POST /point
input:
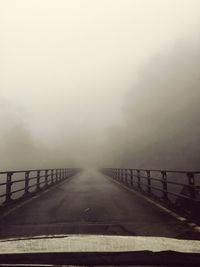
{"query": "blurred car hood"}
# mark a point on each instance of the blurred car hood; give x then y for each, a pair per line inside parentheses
(96, 243)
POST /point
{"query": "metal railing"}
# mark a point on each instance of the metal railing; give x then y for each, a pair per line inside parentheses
(180, 190)
(23, 183)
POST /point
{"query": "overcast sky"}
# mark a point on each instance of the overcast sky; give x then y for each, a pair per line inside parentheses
(66, 66)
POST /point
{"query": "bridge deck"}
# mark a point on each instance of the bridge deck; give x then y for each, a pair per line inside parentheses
(91, 203)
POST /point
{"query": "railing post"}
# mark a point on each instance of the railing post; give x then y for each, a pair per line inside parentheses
(46, 177)
(138, 177)
(38, 180)
(52, 172)
(191, 182)
(26, 183)
(8, 187)
(126, 177)
(164, 182)
(131, 175)
(60, 172)
(149, 180)
(122, 175)
(56, 175)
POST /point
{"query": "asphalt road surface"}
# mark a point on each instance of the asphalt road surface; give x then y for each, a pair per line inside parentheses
(91, 203)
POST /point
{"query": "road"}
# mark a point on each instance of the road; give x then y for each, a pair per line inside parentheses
(91, 203)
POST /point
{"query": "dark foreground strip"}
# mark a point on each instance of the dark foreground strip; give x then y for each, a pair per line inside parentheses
(148, 258)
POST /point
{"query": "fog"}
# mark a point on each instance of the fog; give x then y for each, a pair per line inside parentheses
(99, 83)
(161, 114)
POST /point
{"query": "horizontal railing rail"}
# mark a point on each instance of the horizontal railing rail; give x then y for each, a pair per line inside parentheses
(178, 189)
(27, 182)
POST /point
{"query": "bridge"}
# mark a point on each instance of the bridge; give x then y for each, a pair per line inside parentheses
(108, 201)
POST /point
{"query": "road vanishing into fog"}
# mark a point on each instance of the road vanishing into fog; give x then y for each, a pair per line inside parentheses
(90, 203)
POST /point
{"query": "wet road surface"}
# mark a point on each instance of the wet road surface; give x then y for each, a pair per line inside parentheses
(90, 203)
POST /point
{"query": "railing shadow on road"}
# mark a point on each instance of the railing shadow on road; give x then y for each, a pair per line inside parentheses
(178, 190)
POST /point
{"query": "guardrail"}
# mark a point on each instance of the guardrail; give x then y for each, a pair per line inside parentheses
(178, 189)
(26, 182)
